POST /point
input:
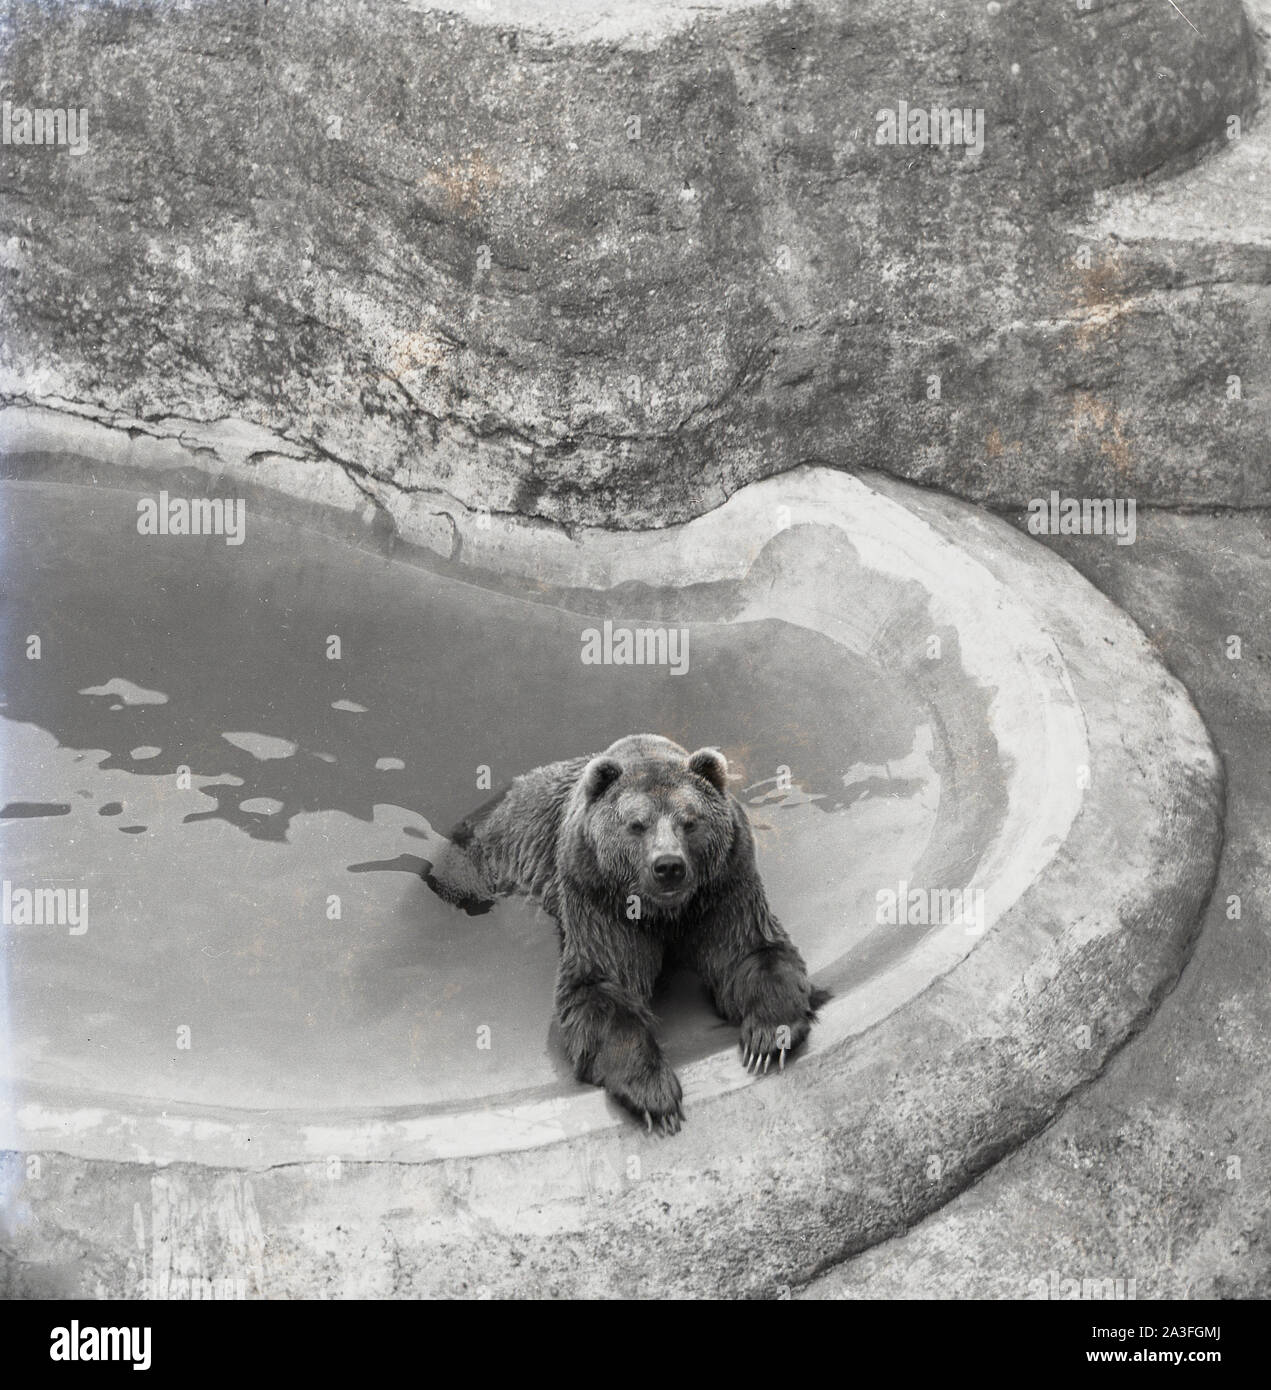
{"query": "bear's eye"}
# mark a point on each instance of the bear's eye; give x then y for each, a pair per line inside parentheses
(689, 826)
(637, 827)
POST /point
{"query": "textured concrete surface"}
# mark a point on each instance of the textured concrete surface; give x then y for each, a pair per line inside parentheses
(772, 1178)
(606, 264)
(1161, 1171)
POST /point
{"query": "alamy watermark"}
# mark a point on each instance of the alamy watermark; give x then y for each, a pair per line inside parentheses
(904, 906)
(1083, 516)
(76, 1343)
(638, 646)
(1054, 1285)
(193, 516)
(916, 125)
(44, 907)
(44, 125)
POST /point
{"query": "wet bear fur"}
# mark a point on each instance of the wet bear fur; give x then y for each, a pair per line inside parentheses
(645, 859)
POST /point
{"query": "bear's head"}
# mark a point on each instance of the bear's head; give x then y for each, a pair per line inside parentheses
(657, 820)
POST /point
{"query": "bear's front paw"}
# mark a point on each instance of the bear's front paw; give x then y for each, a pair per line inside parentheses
(761, 1041)
(652, 1093)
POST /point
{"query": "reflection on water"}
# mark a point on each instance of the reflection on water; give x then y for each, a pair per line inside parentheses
(182, 653)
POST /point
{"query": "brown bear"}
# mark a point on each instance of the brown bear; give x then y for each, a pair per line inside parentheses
(644, 858)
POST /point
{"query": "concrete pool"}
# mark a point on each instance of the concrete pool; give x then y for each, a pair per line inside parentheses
(915, 701)
(265, 787)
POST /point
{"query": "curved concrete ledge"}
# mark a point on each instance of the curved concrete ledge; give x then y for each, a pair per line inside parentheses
(1098, 875)
(605, 264)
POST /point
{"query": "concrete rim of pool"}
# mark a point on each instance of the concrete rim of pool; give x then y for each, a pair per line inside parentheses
(1095, 881)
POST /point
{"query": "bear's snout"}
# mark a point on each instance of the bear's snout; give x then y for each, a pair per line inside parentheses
(667, 880)
(669, 870)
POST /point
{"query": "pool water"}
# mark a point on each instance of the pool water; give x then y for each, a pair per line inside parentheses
(238, 758)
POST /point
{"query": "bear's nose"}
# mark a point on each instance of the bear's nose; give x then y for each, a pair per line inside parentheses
(668, 869)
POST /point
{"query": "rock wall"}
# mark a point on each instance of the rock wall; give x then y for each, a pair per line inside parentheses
(606, 264)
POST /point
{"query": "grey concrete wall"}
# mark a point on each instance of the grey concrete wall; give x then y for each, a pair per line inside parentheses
(607, 264)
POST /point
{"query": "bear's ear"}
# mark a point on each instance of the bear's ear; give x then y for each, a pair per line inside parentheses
(711, 764)
(599, 775)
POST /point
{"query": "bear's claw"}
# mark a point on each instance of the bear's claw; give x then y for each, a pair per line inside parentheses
(761, 1043)
(651, 1094)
